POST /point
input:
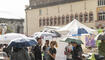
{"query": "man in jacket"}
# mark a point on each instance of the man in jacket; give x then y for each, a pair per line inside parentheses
(37, 50)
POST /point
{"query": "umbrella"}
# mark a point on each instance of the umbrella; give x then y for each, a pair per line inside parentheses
(70, 40)
(100, 36)
(41, 34)
(55, 33)
(6, 38)
(44, 35)
(32, 41)
(22, 42)
(79, 42)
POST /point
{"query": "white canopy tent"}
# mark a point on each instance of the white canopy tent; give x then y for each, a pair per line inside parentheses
(73, 27)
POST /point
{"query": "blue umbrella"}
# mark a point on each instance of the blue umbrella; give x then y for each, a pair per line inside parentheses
(22, 42)
(32, 41)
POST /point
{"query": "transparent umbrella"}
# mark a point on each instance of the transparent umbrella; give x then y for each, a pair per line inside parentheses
(22, 42)
(72, 39)
(6, 38)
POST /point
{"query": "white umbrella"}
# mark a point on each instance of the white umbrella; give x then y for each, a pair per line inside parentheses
(6, 38)
(43, 35)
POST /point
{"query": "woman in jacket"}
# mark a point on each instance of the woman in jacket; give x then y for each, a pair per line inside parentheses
(77, 51)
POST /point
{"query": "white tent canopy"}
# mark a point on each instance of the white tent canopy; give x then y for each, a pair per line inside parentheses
(74, 26)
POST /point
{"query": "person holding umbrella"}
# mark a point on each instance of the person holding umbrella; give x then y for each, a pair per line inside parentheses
(76, 47)
(19, 54)
(37, 49)
(77, 51)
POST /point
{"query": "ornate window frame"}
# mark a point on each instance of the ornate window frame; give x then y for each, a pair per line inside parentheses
(91, 16)
(55, 20)
(67, 19)
(81, 17)
(63, 19)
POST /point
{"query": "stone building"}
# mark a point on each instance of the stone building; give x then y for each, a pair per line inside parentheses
(13, 25)
(42, 13)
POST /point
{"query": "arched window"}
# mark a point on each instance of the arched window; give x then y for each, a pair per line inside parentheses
(51, 21)
(55, 20)
(76, 16)
(71, 17)
(47, 21)
(90, 16)
(40, 22)
(81, 17)
(67, 19)
(44, 22)
(63, 19)
(59, 20)
(86, 17)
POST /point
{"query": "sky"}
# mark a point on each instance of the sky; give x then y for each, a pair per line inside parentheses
(13, 8)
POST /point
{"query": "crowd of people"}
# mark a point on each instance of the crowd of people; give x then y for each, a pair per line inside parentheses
(41, 51)
(47, 51)
(37, 52)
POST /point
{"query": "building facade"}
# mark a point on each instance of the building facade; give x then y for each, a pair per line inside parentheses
(13, 25)
(42, 13)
